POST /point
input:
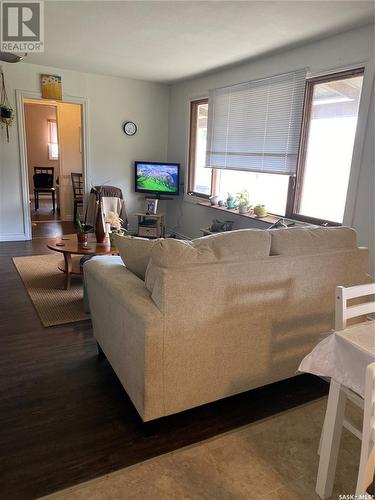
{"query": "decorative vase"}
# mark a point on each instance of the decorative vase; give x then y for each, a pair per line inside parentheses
(111, 239)
(100, 225)
(82, 238)
(243, 209)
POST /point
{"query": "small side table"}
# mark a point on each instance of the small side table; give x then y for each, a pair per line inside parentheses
(151, 225)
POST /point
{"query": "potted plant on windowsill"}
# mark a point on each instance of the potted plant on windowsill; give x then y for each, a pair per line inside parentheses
(260, 211)
(231, 204)
(242, 202)
(82, 232)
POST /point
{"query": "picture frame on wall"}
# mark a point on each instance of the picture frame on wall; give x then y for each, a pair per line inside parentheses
(151, 206)
(51, 87)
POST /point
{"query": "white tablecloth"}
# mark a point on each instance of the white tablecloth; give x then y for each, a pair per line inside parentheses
(344, 356)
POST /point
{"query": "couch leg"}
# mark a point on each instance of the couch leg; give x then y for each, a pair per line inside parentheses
(101, 354)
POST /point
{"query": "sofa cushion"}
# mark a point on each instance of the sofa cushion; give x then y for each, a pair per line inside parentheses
(304, 240)
(135, 253)
(241, 245)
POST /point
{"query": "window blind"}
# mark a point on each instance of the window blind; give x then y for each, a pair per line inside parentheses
(256, 126)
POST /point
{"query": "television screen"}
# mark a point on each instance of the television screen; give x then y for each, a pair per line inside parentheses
(157, 178)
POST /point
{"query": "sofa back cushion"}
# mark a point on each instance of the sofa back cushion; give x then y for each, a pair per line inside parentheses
(304, 240)
(242, 245)
(135, 253)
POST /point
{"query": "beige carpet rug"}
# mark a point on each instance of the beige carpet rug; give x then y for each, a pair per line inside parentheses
(45, 285)
(273, 459)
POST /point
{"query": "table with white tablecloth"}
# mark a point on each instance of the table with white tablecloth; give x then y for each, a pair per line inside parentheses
(344, 356)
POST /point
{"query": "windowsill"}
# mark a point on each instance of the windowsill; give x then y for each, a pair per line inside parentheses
(193, 198)
(269, 219)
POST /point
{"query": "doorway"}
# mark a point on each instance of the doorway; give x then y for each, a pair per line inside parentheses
(53, 144)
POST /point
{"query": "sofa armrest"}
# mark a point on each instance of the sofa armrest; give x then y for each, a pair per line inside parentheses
(109, 274)
(130, 330)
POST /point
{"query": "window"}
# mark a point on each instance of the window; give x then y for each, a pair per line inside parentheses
(331, 114)
(53, 147)
(317, 191)
(200, 178)
(269, 189)
(266, 189)
(255, 126)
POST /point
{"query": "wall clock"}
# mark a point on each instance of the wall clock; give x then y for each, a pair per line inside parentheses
(130, 128)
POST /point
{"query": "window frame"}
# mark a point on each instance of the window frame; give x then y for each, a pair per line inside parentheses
(296, 182)
(194, 104)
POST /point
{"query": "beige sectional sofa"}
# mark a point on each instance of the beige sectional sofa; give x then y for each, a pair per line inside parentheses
(221, 314)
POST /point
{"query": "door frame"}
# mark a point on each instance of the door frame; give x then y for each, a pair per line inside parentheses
(21, 95)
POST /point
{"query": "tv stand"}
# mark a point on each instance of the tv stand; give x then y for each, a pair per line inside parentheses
(157, 197)
(151, 225)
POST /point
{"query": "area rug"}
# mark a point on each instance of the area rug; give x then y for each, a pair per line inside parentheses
(45, 285)
(272, 459)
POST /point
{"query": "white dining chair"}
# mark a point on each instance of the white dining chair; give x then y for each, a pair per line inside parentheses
(338, 394)
(367, 460)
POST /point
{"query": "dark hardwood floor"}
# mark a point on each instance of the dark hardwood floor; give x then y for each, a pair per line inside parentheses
(64, 416)
(51, 229)
(44, 212)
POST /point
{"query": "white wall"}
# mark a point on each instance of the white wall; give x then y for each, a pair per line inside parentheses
(364, 210)
(340, 51)
(111, 153)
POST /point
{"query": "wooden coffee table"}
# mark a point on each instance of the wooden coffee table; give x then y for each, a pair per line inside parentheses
(68, 246)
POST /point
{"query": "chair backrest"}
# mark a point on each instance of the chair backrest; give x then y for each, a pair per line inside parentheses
(370, 397)
(44, 170)
(43, 181)
(344, 312)
(77, 184)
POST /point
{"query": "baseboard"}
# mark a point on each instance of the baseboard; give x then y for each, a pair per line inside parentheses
(13, 237)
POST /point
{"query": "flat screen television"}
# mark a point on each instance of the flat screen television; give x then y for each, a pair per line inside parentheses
(157, 178)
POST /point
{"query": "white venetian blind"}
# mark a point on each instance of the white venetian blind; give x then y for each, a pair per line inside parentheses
(256, 126)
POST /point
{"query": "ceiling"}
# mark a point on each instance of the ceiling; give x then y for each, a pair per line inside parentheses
(170, 41)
